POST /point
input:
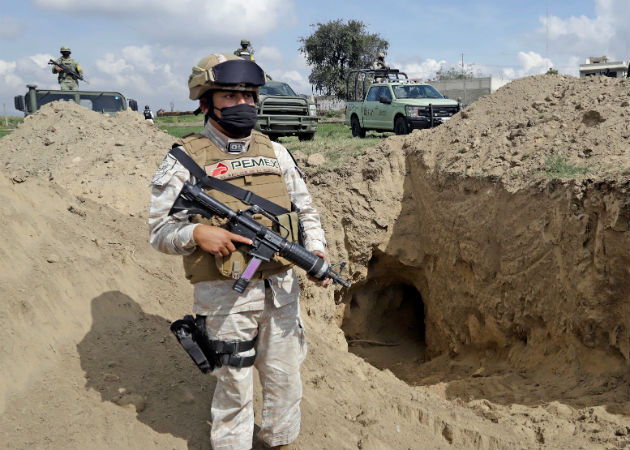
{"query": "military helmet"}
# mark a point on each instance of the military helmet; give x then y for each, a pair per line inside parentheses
(64, 49)
(245, 43)
(225, 72)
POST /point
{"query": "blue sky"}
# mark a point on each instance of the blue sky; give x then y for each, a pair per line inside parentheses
(145, 49)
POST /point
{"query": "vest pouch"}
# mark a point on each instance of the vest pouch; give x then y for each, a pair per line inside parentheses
(291, 223)
(232, 266)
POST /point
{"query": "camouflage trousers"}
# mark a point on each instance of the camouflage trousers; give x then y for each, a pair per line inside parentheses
(281, 348)
(68, 84)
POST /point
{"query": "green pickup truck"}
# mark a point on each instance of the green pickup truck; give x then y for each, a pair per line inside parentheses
(100, 101)
(385, 100)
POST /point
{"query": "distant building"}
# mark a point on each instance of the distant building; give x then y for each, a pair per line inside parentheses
(601, 66)
(467, 90)
(329, 103)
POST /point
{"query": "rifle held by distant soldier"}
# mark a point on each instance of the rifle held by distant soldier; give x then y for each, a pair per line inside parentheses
(63, 68)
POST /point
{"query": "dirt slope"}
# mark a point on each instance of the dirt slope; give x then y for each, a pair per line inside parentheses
(503, 297)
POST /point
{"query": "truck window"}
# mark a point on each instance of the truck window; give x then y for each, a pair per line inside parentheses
(385, 93)
(373, 94)
(410, 91)
(277, 88)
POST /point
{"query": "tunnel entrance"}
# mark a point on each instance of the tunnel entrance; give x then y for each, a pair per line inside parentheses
(384, 322)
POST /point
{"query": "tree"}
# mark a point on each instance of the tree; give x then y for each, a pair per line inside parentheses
(336, 47)
(454, 73)
(551, 71)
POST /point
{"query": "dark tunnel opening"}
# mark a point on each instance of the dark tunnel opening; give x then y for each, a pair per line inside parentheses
(384, 323)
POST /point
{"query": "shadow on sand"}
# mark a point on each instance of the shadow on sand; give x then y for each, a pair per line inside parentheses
(132, 359)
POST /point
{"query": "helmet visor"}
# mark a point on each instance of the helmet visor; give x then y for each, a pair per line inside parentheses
(238, 71)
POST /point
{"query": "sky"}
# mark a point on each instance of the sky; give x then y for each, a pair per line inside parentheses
(145, 49)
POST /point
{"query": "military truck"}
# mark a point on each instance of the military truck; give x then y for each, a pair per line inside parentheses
(281, 112)
(386, 100)
(99, 101)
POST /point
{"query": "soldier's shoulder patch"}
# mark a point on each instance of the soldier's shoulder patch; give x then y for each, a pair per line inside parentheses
(164, 172)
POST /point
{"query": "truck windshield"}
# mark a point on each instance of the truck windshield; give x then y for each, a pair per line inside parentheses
(97, 101)
(411, 91)
(277, 88)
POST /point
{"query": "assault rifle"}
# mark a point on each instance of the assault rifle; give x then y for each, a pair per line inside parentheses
(265, 242)
(63, 68)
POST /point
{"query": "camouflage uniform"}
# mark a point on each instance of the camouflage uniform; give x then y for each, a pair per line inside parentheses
(268, 309)
(66, 82)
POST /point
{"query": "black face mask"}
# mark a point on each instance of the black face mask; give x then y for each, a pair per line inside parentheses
(238, 120)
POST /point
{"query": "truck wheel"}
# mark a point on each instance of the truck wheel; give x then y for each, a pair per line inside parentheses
(400, 126)
(306, 136)
(357, 131)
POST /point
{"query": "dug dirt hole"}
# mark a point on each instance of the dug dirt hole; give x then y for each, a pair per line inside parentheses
(384, 324)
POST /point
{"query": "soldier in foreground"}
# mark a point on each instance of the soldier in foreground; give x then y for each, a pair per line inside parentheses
(67, 82)
(260, 327)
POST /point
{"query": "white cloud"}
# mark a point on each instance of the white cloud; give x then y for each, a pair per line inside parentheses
(268, 56)
(606, 33)
(531, 64)
(211, 21)
(424, 70)
(7, 67)
(8, 77)
(140, 57)
(41, 59)
(111, 66)
(11, 28)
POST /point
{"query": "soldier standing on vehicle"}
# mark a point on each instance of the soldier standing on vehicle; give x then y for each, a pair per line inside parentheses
(266, 316)
(245, 52)
(67, 82)
(380, 62)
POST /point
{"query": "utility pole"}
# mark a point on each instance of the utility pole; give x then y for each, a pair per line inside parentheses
(464, 81)
(547, 35)
(6, 118)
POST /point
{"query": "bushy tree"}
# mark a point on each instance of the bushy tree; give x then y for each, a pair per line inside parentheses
(336, 47)
(454, 73)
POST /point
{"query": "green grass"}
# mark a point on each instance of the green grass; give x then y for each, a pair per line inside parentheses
(14, 121)
(170, 124)
(334, 140)
(558, 166)
(8, 124)
(180, 131)
(190, 118)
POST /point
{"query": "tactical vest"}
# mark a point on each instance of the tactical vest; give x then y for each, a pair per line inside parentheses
(256, 170)
(68, 64)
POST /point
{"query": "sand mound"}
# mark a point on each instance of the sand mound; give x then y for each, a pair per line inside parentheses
(106, 159)
(508, 327)
(536, 128)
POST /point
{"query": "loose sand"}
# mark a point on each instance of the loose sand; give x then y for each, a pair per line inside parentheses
(490, 305)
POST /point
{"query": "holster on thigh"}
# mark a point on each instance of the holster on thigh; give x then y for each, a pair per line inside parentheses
(208, 354)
